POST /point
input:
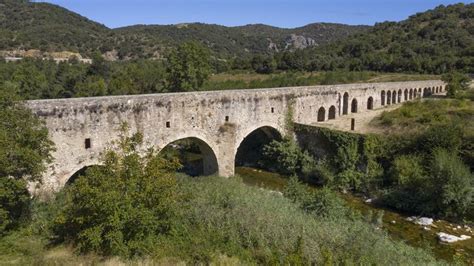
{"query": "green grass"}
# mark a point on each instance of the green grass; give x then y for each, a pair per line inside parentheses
(419, 115)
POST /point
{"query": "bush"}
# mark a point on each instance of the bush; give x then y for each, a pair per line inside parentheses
(14, 202)
(453, 184)
(122, 207)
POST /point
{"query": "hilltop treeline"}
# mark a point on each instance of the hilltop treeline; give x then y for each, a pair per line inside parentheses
(436, 41)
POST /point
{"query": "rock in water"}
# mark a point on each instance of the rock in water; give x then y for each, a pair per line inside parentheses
(447, 238)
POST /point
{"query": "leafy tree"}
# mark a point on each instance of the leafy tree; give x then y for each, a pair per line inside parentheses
(188, 67)
(24, 151)
(122, 207)
(457, 82)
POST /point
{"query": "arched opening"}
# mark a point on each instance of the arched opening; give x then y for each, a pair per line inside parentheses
(354, 106)
(195, 155)
(79, 173)
(437, 89)
(411, 94)
(332, 113)
(405, 95)
(370, 103)
(399, 99)
(321, 114)
(345, 104)
(425, 92)
(250, 151)
(394, 97)
(389, 98)
(382, 97)
(419, 93)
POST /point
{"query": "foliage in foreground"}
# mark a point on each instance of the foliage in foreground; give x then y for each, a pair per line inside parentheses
(24, 151)
(120, 208)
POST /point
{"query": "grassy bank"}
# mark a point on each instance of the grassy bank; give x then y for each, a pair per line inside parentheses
(225, 221)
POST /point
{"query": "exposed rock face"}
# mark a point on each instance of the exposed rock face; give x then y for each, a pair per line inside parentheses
(272, 46)
(294, 42)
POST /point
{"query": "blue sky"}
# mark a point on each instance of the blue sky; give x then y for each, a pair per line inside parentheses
(282, 13)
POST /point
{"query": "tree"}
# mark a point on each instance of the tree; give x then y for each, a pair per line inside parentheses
(188, 67)
(122, 207)
(24, 151)
(457, 82)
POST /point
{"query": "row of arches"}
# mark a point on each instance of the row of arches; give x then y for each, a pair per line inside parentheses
(354, 107)
(394, 97)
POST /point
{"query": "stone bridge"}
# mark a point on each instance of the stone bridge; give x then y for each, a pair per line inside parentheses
(218, 120)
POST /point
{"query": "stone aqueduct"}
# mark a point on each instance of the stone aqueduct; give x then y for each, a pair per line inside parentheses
(218, 120)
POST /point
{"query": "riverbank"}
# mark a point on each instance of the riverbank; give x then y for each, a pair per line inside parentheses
(395, 224)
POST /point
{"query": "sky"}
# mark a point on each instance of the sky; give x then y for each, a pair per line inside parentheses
(281, 13)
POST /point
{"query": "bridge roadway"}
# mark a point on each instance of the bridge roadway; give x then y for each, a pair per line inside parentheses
(217, 120)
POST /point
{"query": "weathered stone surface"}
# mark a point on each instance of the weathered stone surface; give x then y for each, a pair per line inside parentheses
(220, 120)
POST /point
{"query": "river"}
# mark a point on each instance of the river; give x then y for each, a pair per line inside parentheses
(394, 223)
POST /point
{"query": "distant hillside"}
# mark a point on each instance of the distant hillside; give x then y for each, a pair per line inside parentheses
(231, 41)
(25, 25)
(435, 41)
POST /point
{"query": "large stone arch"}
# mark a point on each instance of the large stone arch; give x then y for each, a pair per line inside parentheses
(78, 170)
(270, 131)
(209, 156)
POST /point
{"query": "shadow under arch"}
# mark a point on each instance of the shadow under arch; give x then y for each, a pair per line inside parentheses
(250, 150)
(196, 156)
(78, 173)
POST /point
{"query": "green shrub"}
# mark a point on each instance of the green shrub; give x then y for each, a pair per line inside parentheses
(122, 207)
(14, 202)
(453, 184)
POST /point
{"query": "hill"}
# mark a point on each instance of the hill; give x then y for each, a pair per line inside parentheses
(25, 25)
(46, 27)
(435, 41)
(231, 41)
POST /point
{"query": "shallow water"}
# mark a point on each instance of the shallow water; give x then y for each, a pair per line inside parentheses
(394, 223)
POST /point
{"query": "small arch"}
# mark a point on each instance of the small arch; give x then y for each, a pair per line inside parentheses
(389, 98)
(370, 103)
(321, 114)
(394, 97)
(405, 94)
(411, 94)
(399, 99)
(354, 106)
(382, 98)
(345, 104)
(437, 89)
(332, 112)
(196, 156)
